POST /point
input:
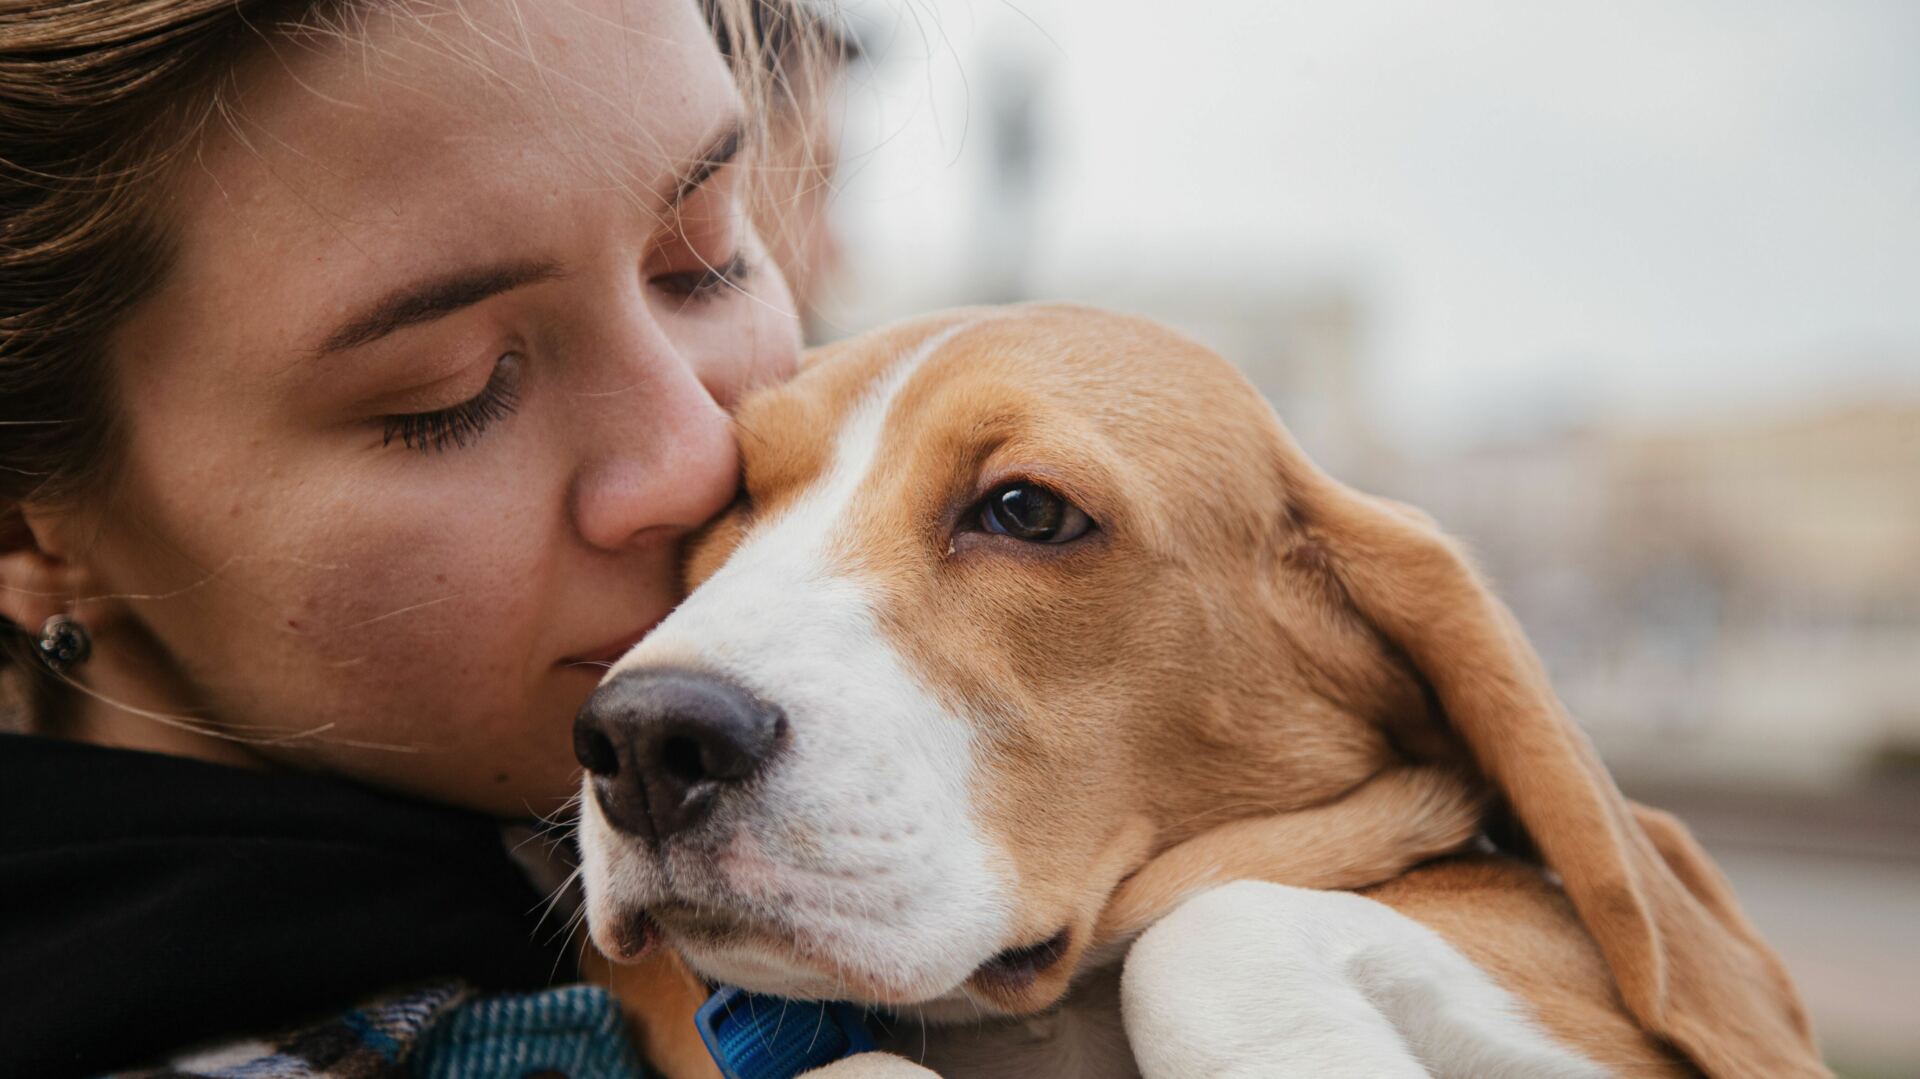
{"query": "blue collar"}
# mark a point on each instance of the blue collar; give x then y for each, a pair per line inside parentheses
(760, 1037)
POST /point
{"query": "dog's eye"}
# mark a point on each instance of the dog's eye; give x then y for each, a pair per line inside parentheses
(1028, 511)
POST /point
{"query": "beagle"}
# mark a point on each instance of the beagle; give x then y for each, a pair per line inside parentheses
(1039, 691)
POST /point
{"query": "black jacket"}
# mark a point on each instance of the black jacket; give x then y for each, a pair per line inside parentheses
(150, 902)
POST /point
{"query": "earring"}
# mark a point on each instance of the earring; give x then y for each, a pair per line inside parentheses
(64, 643)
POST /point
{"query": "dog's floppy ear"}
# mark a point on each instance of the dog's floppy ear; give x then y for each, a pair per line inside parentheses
(1689, 966)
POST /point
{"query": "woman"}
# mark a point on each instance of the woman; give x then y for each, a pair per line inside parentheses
(363, 365)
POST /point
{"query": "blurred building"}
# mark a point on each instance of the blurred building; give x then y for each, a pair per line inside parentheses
(1725, 599)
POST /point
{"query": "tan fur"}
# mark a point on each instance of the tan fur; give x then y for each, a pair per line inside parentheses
(659, 996)
(1391, 824)
(1232, 676)
(1506, 918)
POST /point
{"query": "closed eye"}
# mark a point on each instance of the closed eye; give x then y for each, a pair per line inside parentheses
(706, 283)
(456, 426)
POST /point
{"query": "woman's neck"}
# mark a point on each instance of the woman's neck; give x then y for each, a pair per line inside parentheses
(123, 699)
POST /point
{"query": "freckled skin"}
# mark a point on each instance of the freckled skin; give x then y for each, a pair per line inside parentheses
(264, 562)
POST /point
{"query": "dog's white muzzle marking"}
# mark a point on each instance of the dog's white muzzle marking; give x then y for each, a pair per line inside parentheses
(859, 842)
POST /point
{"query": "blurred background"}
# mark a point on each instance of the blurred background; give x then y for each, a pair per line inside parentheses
(1627, 294)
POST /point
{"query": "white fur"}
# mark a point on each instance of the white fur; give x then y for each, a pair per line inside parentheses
(1256, 979)
(859, 842)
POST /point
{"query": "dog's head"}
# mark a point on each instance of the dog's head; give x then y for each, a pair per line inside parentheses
(1012, 601)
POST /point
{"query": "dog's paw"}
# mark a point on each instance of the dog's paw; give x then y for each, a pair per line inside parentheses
(871, 1066)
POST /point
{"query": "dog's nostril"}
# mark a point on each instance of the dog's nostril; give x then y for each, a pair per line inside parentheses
(680, 757)
(595, 752)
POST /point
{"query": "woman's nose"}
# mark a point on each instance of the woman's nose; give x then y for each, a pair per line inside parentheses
(665, 460)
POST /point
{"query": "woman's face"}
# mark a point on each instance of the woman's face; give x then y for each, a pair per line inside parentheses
(436, 386)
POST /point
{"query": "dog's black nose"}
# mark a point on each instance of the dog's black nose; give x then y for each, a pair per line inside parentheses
(661, 745)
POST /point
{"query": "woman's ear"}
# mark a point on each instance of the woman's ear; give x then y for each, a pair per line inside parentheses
(1689, 966)
(37, 578)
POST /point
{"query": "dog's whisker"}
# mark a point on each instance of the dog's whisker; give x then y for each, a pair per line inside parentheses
(553, 899)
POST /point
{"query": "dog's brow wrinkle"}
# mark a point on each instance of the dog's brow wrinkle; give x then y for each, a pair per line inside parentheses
(859, 442)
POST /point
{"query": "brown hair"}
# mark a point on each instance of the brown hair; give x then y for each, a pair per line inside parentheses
(98, 101)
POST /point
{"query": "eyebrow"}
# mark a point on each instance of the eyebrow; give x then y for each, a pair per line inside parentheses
(424, 301)
(436, 297)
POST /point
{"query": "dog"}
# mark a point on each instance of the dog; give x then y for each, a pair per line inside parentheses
(1039, 690)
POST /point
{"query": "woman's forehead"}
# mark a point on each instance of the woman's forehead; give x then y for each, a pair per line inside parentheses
(410, 135)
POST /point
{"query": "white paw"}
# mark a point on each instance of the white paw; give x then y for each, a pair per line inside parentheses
(871, 1066)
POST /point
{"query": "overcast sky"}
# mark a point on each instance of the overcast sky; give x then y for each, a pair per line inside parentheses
(1644, 206)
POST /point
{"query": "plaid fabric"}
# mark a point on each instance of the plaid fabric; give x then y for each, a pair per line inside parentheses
(576, 1032)
(439, 1031)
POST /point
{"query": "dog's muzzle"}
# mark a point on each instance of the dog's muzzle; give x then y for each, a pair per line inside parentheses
(662, 745)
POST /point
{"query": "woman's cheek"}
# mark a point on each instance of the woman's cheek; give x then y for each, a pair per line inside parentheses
(422, 681)
(436, 598)
(756, 340)
(398, 610)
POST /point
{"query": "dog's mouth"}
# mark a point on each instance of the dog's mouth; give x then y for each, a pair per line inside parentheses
(1015, 969)
(632, 937)
(1008, 973)
(639, 931)
(695, 924)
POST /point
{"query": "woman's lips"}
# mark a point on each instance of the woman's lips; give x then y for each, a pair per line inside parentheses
(609, 654)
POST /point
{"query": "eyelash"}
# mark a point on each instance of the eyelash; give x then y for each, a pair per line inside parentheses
(695, 286)
(432, 432)
(456, 427)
